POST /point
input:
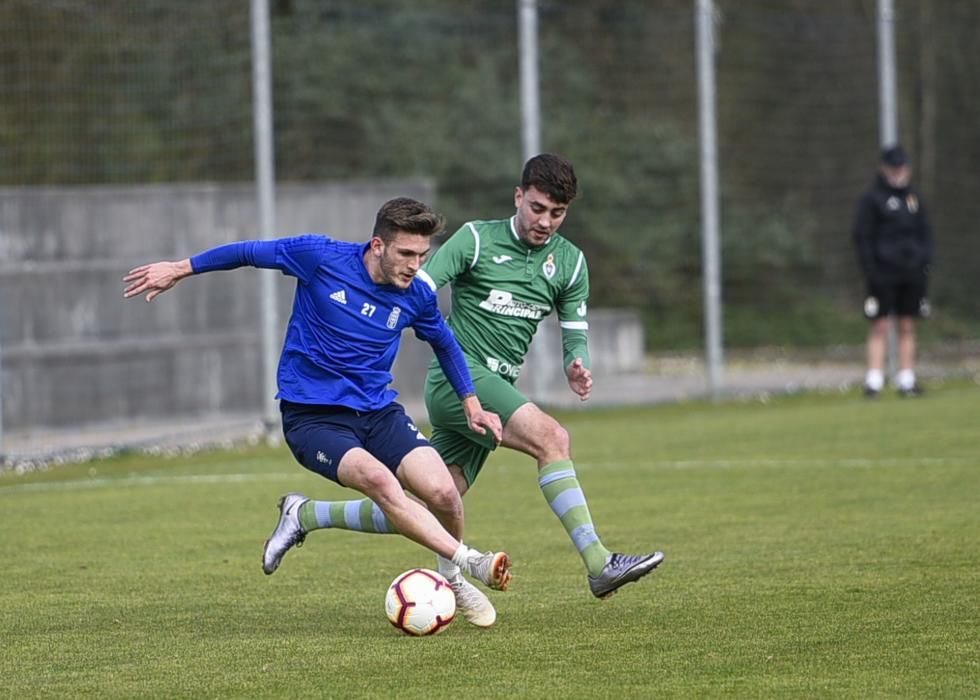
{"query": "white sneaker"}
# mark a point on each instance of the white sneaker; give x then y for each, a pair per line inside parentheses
(288, 532)
(492, 569)
(473, 603)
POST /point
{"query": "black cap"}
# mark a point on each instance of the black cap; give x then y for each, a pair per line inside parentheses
(894, 156)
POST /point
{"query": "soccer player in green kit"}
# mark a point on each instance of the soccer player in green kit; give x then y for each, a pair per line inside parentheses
(506, 276)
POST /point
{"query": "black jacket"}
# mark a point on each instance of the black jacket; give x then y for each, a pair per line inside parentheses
(892, 234)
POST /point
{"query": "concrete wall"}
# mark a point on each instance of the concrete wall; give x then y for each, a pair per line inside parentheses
(75, 353)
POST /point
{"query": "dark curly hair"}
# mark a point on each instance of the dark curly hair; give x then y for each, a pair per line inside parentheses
(552, 175)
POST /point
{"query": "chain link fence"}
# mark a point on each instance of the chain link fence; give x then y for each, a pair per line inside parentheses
(122, 93)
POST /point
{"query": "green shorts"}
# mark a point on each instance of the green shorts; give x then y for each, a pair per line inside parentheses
(451, 435)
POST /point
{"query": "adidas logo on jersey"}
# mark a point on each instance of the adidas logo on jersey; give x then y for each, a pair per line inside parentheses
(339, 296)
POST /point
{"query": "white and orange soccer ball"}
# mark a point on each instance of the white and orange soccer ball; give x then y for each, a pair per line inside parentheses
(420, 602)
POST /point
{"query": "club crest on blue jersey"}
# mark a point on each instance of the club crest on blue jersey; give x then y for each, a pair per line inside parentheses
(393, 317)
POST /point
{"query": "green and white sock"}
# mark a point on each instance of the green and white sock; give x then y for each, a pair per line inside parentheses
(562, 491)
(362, 515)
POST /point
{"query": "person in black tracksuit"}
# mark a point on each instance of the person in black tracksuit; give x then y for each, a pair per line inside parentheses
(894, 246)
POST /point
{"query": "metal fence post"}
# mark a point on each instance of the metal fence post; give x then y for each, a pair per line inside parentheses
(527, 17)
(265, 192)
(887, 82)
(710, 247)
(888, 124)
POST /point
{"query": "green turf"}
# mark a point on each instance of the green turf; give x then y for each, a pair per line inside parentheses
(817, 546)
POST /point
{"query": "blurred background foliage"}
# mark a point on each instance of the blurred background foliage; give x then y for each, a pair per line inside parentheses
(115, 92)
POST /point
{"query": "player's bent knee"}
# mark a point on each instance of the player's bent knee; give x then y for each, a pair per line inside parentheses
(377, 483)
(444, 499)
(557, 439)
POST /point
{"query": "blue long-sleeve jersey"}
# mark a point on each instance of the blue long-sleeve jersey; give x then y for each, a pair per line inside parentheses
(345, 329)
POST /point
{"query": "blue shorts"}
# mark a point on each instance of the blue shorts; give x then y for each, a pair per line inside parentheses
(319, 436)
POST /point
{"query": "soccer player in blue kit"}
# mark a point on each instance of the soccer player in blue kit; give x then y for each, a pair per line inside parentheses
(340, 417)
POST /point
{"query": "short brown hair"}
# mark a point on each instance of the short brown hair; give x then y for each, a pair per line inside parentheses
(408, 215)
(551, 174)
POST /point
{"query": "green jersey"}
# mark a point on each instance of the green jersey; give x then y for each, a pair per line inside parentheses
(502, 289)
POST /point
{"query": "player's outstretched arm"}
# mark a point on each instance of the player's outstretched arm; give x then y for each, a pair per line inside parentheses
(579, 379)
(479, 420)
(156, 278)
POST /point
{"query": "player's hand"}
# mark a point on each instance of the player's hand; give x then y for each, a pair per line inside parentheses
(155, 278)
(579, 379)
(480, 421)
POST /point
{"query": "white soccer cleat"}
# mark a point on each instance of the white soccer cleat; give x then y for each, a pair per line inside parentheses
(288, 532)
(492, 569)
(472, 602)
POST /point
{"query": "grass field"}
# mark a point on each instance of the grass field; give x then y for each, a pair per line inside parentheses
(817, 546)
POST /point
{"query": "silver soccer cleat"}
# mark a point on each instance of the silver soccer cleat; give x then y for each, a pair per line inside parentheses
(492, 569)
(288, 532)
(621, 569)
(472, 602)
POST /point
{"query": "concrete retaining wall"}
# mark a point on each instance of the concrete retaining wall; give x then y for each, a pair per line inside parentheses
(74, 352)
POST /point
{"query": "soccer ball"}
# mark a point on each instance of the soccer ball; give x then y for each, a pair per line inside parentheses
(420, 602)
